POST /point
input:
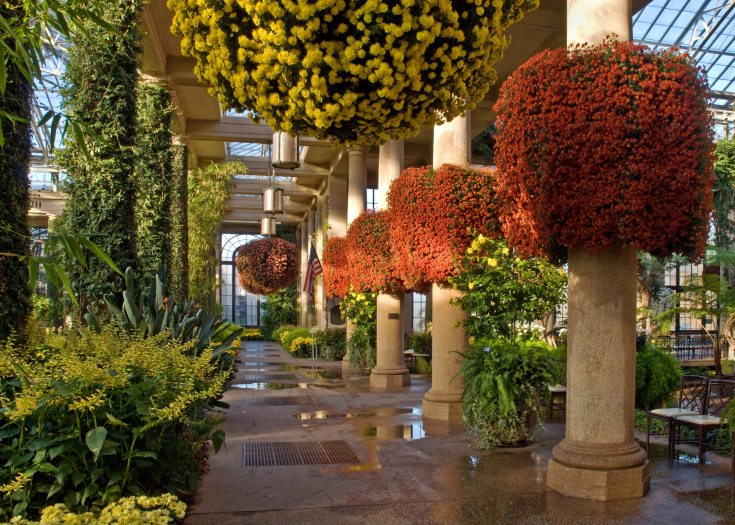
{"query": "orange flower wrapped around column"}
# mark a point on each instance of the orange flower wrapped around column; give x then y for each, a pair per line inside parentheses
(605, 144)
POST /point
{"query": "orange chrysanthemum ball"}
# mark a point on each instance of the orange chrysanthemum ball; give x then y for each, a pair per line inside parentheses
(336, 274)
(436, 212)
(267, 265)
(605, 144)
(370, 261)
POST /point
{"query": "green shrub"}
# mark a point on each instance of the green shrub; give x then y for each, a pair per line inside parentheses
(332, 343)
(362, 350)
(279, 309)
(658, 375)
(300, 347)
(90, 417)
(252, 334)
(420, 365)
(420, 342)
(289, 336)
(506, 382)
(278, 333)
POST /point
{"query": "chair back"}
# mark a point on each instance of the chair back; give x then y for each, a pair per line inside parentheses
(693, 393)
(720, 393)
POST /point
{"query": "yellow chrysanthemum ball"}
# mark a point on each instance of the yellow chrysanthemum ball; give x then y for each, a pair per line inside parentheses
(348, 71)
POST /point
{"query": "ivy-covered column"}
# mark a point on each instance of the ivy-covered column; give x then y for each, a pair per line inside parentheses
(15, 237)
(153, 180)
(101, 78)
(449, 337)
(178, 262)
(389, 371)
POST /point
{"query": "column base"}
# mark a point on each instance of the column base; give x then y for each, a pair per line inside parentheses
(601, 485)
(384, 378)
(442, 406)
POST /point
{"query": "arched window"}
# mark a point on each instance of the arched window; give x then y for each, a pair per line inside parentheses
(238, 306)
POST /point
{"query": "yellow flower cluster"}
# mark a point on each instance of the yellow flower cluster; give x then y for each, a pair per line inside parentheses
(134, 510)
(300, 343)
(363, 71)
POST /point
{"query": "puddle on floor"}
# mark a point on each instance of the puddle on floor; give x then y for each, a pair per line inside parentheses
(260, 363)
(657, 451)
(375, 412)
(393, 432)
(265, 386)
(325, 374)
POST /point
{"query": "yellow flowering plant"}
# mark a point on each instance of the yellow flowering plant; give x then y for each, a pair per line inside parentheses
(102, 415)
(503, 292)
(362, 71)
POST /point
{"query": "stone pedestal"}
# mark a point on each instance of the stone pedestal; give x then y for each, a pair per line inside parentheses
(389, 372)
(598, 457)
(449, 340)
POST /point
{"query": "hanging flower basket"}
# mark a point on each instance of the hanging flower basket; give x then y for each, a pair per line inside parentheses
(347, 70)
(435, 213)
(598, 145)
(265, 266)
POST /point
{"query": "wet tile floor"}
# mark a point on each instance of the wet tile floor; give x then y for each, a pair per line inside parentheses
(410, 470)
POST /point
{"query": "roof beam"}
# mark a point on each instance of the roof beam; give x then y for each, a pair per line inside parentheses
(254, 216)
(252, 187)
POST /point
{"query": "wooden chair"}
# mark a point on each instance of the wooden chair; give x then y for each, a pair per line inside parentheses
(692, 402)
(719, 395)
(558, 393)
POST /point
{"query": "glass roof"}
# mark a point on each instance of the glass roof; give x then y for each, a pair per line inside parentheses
(706, 30)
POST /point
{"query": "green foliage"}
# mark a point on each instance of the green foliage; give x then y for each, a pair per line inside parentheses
(89, 417)
(279, 309)
(506, 382)
(420, 365)
(99, 94)
(278, 333)
(362, 350)
(47, 311)
(332, 343)
(208, 190)
(178, 262)
(658, 375)
(724, 193)
(420, 342)
(153, 179)
(658, 426)
(15, 237)
(504, 293)
(151, 313)
(288, 337)
(133, 509)
(360, 308)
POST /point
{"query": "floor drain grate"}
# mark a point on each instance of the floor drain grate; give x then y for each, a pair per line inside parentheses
(277, 401)
(265, 378)
(275, 454)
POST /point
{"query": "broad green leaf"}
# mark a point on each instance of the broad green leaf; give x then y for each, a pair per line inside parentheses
(100, 253)
(218, 439)
(95, 439)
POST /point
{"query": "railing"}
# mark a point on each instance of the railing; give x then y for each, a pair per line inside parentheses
(686, 346)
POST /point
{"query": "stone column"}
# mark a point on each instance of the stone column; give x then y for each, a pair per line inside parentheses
(448, 335)
(319, 297)
(356, 204)
(389, 371)
(598, 457)
(303, 296)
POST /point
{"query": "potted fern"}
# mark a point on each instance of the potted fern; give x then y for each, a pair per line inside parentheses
(506, 381)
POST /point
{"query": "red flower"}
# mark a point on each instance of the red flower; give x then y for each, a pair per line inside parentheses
(336, 273)
(597, 145)
(370, 261)
(265, 266)
(435, 213)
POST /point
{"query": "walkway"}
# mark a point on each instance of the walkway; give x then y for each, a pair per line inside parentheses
(356, 457)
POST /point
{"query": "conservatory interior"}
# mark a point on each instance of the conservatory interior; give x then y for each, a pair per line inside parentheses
(424, 261)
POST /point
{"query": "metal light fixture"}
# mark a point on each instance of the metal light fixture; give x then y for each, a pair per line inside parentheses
(285, 151)
(273, 200)
(268, 225)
